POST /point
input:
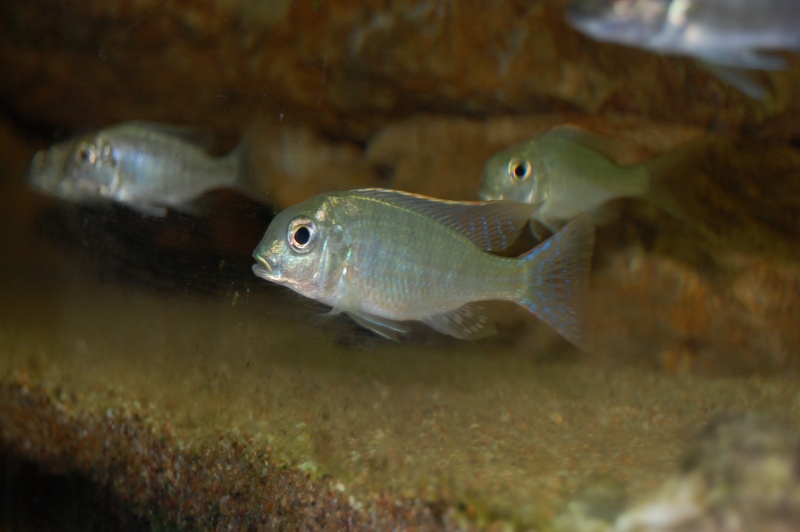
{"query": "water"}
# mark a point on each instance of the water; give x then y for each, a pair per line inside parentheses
(131, 346)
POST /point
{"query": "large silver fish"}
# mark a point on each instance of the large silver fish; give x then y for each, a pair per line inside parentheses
(146, 166)
(567, 171)
(726, 34)
(385, 257)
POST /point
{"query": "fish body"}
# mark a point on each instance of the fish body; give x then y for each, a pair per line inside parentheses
(562, 170)
(385, 257)
(148, 167)
(725, 34)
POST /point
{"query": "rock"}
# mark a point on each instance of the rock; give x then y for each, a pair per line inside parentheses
(739, 473)
(343, 67)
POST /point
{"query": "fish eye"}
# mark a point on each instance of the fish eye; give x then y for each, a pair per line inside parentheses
(519, 170)
(86, 153)
(302, 234)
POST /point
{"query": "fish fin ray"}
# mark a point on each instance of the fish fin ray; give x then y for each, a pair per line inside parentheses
(557, 276)
(605, 146)
(148, 209)
(748, 59)
(492, 226)
(250, 180)
(196, 136)
(539, 229)
(468, 322)
(748, 82)
(668, 174)
(388, 328)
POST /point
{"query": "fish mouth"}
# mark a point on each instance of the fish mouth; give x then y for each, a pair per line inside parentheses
(264, 269)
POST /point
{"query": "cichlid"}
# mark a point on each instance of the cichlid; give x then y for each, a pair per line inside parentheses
(725, 34)
(567, 172)
(147, 166)
(385, 257)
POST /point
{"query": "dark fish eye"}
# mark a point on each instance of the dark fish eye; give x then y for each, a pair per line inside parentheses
(86, 153)
(518, 169)
(302, 234)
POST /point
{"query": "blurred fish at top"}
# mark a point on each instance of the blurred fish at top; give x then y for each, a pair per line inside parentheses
(146, 166)
(725, 34)
(569, 171)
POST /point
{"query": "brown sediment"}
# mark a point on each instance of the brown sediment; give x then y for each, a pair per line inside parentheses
(222, 483)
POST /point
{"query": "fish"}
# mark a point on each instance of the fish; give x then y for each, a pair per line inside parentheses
(731, 37)
(386, 257)
(147, 166)
(567, 171)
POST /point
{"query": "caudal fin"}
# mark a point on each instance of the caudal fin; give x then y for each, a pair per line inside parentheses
(557, 276)
(673, 175)
(250, 180)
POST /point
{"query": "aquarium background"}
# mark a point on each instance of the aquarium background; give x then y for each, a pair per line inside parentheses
(149, 380)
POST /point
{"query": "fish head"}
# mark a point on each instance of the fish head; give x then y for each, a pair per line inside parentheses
(518, 173)
(631, 22)
(81, 169)
(93, 167)
(46, 170)
(302, 250)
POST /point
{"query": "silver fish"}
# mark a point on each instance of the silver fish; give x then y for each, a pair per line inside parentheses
(726, 34)
(146, 166)
(385, 257)
(567, 172)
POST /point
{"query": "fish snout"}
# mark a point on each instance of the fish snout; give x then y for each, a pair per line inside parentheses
(42, 174)
(265, 269)
(488, 192)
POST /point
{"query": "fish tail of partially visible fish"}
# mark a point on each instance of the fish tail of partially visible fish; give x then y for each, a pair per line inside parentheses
(672, 174)
(556, 279)
(248, 179)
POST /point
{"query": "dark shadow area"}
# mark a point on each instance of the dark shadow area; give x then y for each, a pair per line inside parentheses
(33, 499)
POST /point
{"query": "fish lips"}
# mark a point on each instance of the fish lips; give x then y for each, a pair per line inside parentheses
(265, 270)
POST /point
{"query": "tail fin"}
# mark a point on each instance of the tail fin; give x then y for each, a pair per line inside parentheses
(250, 181)
(674, 172)
(556, 279)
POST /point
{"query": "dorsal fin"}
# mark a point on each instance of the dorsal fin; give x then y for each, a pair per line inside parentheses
(198, 137)
(491, 225)
(605, 146)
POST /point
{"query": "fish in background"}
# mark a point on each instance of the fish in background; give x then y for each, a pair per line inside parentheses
(146, 166)
(567, 171)
(731, 37)
(385, 257)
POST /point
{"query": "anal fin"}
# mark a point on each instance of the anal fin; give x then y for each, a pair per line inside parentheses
(468, 322)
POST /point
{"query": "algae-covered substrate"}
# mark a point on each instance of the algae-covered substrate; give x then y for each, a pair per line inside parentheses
(242, 406)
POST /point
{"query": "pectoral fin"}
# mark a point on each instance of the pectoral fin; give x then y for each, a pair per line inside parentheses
(468, 322)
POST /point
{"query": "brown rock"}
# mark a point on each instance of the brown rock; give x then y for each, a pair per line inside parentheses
(345, 66)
